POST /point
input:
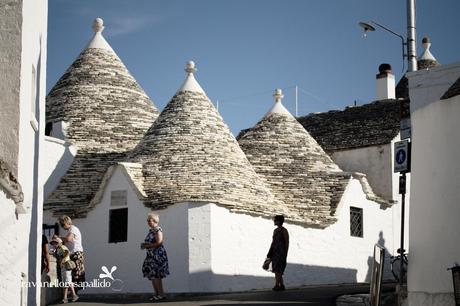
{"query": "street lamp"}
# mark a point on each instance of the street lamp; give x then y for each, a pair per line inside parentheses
(369, 28)
(409, 43)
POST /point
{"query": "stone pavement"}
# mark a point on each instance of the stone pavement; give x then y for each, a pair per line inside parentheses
(309, 295)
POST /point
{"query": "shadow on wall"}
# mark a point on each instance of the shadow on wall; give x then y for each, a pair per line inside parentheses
(34, 236)
(295, 275)
(63, 165)
(386, 265)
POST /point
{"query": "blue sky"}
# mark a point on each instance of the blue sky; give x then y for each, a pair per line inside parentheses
(244, 49)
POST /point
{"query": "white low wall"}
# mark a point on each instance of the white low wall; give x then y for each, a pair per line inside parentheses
(127, 256)
(211, 249)
(240, 244)
(377, 162)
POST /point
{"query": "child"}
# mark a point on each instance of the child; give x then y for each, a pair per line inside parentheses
(63, 255)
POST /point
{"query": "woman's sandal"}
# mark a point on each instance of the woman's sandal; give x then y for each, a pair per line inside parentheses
(157, 298)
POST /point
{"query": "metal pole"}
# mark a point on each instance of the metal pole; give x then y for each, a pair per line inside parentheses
(403, 196)
(296, 100)
(217, 105)
(411, 49)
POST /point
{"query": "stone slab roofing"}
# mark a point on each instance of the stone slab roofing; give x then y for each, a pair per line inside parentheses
(371, 124)
(74, 193)
(190, 155)
(106, 113)
(298, 171)
(453, 90)
(104, 107)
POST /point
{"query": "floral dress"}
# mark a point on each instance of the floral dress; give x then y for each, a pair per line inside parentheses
(156, 263)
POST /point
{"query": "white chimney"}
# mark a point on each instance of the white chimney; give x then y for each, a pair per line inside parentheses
(385, 83)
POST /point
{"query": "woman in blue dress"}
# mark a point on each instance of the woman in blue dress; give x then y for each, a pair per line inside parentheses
(155, 266)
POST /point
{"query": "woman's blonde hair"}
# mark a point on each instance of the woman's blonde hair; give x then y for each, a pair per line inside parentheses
(154, 217)
(65, 220)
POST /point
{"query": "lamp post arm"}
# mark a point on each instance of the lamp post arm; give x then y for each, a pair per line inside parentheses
(388, 30)
(403, 42)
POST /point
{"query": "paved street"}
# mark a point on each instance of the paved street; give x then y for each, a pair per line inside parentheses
(311, 295)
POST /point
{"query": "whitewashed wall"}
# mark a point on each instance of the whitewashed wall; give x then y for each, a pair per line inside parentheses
(374, 161)
(12, 263)
(435, 186)
(377, 162)
(127, 256)
(240, 244)
(13, 254)
(55, 163)
(24, 41)
(213, 250)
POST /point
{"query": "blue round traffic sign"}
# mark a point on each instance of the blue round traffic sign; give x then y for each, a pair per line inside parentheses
(401, 156)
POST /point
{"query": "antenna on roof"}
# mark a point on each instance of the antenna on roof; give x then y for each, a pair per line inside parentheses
(296, 100)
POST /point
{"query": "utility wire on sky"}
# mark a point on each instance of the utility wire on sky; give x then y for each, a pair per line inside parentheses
(226, 101)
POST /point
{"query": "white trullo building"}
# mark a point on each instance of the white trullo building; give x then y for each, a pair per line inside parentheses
(95, 114)
(23, 34)
(337, 216)
(215, 203)
(361, 138)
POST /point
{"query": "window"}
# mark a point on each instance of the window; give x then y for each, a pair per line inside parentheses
(48, 128)
(118, 217)
(118, 198)
(118, 225)
(356, 222)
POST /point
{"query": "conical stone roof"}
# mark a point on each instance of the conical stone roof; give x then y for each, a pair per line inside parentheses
(298, 171)
(190, 155)
(106, 113)
(104, 107)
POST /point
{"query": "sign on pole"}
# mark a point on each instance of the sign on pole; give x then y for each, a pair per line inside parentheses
(405, 128)
(404, 114)
(402, 156)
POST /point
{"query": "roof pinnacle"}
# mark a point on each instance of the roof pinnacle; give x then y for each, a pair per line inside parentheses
(278, 107)
(278, 95)
(98, 41)
(426, 44)
(98, 25)
(190, 83)
(190, 68)
(426, 60)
